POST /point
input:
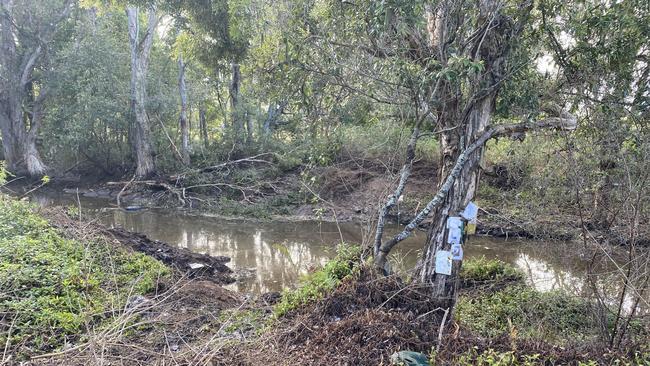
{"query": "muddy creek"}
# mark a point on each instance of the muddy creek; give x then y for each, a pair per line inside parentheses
(270, 256)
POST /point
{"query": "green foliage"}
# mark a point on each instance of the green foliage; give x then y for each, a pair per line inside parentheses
(492, 357)
(54, 287)
(523, 312)
(315, 285)
(482, 270)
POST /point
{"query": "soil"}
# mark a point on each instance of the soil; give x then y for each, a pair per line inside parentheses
(195, 265)
(189, 264)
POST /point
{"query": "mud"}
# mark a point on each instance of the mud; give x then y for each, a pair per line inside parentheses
(195, 265)
(188, 264)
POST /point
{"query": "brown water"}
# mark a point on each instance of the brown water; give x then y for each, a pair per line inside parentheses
(273, 255)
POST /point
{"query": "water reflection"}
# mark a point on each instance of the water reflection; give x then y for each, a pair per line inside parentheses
(275, 254)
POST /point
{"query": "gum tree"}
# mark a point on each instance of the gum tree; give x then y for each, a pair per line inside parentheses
(28, 31)
(140, 46)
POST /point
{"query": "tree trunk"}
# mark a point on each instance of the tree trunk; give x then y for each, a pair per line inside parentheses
(466, 116)
(185, 133)
(461, 193)
(237, 122)
(249, 128)
(272, 116)
(140, 49)
(18, 140)
(463, 112)
(203, 125)
(17, 95)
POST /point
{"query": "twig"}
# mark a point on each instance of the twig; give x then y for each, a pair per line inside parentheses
(441, 330)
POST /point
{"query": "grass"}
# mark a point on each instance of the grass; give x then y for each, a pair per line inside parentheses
(320, 282)
(54, 287)
(518, 310)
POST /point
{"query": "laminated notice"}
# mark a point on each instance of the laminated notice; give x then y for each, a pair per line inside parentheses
(454, 222)
(457, 252)
(471, 212)
(454, 236)
(443, 262)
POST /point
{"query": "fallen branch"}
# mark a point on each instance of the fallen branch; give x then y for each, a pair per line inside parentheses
(119, 195)
(152, 183)
(251, 159)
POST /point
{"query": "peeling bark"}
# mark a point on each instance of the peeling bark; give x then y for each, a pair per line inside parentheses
(405, 173)
(140, 49)
(17, 91)
(566, 122)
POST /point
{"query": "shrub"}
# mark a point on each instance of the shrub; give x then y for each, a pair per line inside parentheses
(320, 282)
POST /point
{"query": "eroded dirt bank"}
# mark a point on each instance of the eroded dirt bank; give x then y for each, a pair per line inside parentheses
(178, 323)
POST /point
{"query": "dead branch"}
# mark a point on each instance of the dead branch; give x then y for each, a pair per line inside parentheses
(152, 183)
(252, 159)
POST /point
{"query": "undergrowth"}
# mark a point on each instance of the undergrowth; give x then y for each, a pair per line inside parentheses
(522, 312)
(492, 357)
(54, 287)
(480, 270)
(264, 208)
(318, 283)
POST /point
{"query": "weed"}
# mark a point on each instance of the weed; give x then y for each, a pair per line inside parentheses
(244, 321)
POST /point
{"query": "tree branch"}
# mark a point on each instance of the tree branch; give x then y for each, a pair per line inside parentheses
(565, 121)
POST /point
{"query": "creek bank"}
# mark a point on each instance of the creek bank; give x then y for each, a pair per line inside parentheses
(79, 292)
(194, 265)
(366, 318)
(347, 210)
(342, 314)
(339, 193)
